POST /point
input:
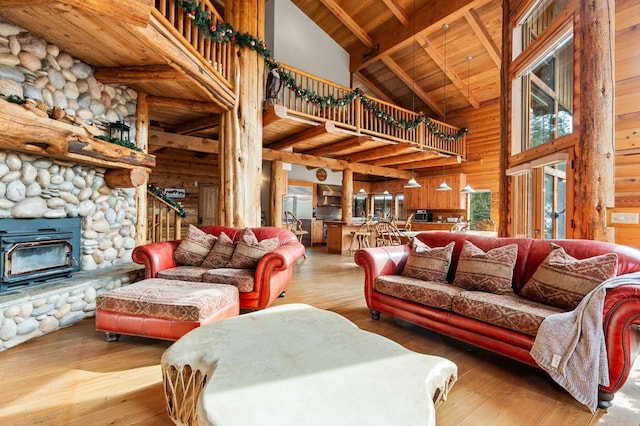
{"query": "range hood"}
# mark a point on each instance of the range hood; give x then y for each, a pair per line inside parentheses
(329, 195)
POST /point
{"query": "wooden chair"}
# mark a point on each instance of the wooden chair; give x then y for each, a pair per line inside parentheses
(460, 227)
(294, 225)
(362, 236)
(407, 224)
(387, 234)
(485, 225)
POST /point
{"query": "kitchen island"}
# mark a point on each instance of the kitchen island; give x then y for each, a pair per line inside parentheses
(340, 236)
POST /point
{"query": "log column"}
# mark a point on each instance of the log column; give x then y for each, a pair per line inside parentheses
(347, 195)
(142, 142)
(241, 133)
(595, 153)
(279, 182)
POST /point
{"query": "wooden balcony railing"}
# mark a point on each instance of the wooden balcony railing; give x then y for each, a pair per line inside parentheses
(217, 55)
(352, 115)
(355, 116)
(164, 222)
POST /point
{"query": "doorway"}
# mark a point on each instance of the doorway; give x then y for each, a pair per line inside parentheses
(539, 201)
(207, 204)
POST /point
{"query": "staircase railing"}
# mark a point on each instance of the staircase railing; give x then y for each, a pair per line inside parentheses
(164, 222)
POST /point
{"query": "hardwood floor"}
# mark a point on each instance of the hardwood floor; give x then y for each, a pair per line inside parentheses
(74, 377)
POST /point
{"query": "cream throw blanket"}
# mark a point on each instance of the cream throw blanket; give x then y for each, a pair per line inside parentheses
(570, 346)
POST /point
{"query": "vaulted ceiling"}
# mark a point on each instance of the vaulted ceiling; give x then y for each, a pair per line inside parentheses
(401, 52)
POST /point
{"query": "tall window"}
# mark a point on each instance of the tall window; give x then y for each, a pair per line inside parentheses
(479, 207)
(547, 110)
(382, 205)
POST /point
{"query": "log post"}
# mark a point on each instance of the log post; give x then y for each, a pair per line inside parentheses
(241, 139)
(347, 195)
(505, 113)
(142, 141)
(279, 182)
(595, 153)
(126, 178)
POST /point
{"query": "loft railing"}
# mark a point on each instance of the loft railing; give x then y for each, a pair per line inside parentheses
(354, 115)
(217, 55)
(164, 222)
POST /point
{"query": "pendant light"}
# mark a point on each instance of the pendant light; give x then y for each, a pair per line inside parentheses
(413, 183)
(468, 189)
(444, 186)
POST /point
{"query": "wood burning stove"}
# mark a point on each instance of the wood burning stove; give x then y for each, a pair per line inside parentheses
(33, 251)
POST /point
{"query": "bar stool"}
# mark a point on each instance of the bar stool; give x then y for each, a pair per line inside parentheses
(294, 225)
(362, 236)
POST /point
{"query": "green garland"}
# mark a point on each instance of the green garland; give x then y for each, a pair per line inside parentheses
(126, 144)
(225, 33)
(161, 193)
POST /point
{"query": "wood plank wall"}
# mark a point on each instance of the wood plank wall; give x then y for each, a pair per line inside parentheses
(181, 169)
(627, 107)
(484, 149)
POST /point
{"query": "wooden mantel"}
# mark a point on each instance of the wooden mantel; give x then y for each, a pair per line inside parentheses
(23, 131)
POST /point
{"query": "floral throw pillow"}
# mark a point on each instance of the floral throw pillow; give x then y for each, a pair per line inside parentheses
(194, 247)
(563, 281)
(249, 250)
(428, 263)
(221, 252)
(490, 272)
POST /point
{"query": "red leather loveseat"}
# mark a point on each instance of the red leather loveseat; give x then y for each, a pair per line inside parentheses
(271, 276)
(621, 313)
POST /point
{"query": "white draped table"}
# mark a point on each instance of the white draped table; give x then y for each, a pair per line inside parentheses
(299, 365)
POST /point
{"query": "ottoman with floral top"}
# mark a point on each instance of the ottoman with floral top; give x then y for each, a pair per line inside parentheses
(163, 308)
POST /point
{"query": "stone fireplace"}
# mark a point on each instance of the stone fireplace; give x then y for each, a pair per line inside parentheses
(34, 251)
(52, 172)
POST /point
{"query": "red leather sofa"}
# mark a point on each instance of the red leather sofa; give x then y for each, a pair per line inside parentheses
(272, 275)
(621, 316)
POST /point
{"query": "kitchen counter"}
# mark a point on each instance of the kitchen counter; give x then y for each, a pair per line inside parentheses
(340, 236)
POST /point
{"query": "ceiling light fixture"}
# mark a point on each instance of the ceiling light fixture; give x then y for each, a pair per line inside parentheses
(413, 183)
(468, 189)
(444, 186)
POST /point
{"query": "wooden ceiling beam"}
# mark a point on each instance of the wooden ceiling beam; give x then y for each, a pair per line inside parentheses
(473, 19)
(142, 74)
(373, 154)
(397, 11)
(404, 159)
(374, 88)
(197, 125)
(429, 18)
(159, 140)
(448, 71)
(333, 164)
(424, 164)
(273, 114)
(335, 148)
(183, 104)
(402, 75)
(304, 136)
(352, 25)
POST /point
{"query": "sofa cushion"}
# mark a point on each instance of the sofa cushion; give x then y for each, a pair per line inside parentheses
(194, 247)
(562, 280)
(183, 273)
(428, 263)
(490, 271)
(243, 279)
(249, 250)
(430, 293)
(503, 310)
(220, 253)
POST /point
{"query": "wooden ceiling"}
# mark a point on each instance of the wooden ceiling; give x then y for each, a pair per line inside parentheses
(397, 50)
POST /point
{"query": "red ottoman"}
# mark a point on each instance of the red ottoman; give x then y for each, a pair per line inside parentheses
(163, 309)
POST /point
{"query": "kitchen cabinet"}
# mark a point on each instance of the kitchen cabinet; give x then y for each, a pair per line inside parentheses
(317, 232)
(427, 197)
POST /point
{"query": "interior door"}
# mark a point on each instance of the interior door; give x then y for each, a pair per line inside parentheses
(207, 204)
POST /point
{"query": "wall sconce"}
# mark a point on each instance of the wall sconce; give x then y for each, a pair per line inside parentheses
(119, 130)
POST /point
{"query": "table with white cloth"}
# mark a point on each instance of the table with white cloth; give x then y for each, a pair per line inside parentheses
(299, 365)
